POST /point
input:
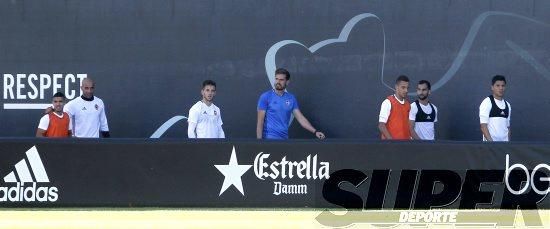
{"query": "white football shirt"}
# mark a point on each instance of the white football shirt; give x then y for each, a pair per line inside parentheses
(88, 117)
(498, 126)
(424, 130)
(205, 121)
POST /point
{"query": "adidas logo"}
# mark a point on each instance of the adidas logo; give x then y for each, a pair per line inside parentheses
(429, 117)
(83, 108)
(18, 192)
(502, 113)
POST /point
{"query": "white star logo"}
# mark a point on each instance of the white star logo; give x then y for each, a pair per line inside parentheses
(232, 172)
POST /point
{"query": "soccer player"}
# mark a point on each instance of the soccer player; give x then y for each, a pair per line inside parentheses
(494, 113)
(88, 113)
(56, 124)
(205, 118)
(393, 121)
(274, 109)
(423, 114)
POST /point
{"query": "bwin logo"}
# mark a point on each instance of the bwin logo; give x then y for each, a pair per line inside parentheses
(18, 192)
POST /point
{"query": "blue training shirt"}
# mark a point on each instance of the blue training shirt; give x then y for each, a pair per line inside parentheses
(277, 113)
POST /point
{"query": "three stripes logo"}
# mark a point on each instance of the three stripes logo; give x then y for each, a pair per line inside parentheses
(15, 189)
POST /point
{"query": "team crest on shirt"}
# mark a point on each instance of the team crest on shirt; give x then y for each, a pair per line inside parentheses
(83, 108)
(204, 112)
(429, 117)
(215, 112)
(287, 102)
(96, 107)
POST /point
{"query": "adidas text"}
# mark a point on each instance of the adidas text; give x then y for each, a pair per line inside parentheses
(20, 193)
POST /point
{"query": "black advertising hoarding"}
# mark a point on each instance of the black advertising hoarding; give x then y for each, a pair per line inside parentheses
(273, 174)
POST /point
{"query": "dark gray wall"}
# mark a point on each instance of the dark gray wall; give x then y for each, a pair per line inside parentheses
(149, 57)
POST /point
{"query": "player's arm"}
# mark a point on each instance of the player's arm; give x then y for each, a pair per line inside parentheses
(435, 123)
(384, 131)
(263, 105)
(68, 108)
(260, 124)
(508, 122)
(385, 109)
(72, 123)
(412, 122)
(413, 132)
(40, 133)
(191, 126)
(70, 129)
(48, 110)
(221, 133)
(485, 132)
(104, 126)
(306, 124)
(192, 120)
(484, 110)
(42, 126)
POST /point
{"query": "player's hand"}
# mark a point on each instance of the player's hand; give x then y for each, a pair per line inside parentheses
(320, 135)
(48, 110)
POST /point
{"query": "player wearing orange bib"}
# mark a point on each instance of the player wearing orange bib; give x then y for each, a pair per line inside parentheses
(393, 121)
(56, 124)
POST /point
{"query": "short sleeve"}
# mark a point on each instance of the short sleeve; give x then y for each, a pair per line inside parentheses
(68, 108)
(220, 122)
(103, 125)
(509, 114)
(436, 113)
(412, 113)
(385, 109)
(70, 122)
(263, 102)
(193, 114)
(484, 111)
(44, 122)
(295, 102)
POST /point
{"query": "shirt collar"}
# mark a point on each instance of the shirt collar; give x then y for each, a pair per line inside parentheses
(400, 101)
(86, 99)
(275, 92)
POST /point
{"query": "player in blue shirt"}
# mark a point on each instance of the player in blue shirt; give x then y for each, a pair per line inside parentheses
(274, 109)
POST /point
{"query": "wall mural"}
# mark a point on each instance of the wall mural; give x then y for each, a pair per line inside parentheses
(149, 59)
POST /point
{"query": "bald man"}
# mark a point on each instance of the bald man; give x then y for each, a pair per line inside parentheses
(87, 113)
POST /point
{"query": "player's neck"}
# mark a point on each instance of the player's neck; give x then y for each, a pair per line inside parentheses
(279, 92)
(399, 98)
(497, 97)
(59, 113)
(208, 103)
(424, 102)
(86, 98)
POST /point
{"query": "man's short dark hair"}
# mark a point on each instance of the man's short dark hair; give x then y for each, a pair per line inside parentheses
(208, 82)
(283, 72)
(425, 82)
(58, 94)
(498, 78)
(403, 78)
